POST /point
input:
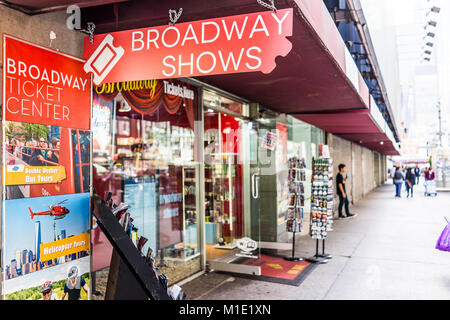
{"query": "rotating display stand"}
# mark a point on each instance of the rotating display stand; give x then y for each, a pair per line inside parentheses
(294, 221)
(132, 276)
(321, 206)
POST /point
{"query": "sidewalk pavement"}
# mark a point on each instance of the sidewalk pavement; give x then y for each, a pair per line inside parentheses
(386, 252)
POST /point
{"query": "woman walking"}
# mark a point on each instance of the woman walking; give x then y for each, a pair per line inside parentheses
(410, 181)
(398, 181)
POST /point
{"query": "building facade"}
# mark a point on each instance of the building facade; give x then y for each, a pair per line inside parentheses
(203, 162)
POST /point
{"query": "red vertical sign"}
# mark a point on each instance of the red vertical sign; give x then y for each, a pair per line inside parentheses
(44, 86)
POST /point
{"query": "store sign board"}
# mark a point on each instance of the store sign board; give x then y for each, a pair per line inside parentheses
(46, 165)
(234, 44)
(44, 86)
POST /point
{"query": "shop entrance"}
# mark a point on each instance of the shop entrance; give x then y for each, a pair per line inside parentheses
(231, 227)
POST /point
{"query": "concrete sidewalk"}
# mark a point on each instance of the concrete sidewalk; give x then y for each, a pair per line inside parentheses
(386, 252)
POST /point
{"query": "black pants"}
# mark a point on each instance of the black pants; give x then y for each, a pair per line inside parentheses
(343, 202)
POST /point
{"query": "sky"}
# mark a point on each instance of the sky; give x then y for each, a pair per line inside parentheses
(402, 61)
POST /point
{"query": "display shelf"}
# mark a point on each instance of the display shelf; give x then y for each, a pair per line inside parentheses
(220, 178)
(183, 259)
(190, 210)
(294, 215)
(230, 246)
(321, 205)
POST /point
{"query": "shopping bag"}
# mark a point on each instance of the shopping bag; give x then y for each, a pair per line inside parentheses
(409, 183)
(443, 243)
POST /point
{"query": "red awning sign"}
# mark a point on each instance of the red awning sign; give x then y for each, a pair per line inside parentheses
(235, 44)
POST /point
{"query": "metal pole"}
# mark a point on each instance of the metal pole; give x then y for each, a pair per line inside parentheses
(440, 125)
(317, 248)
(293, 246)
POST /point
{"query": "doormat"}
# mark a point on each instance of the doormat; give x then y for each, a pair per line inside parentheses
(276, 269)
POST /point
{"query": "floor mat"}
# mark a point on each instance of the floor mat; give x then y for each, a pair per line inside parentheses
(277, 269)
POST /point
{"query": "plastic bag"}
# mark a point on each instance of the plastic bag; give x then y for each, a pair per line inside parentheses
(443, 243)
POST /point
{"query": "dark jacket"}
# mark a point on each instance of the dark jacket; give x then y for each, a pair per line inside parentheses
(398, 176)
(410, 176)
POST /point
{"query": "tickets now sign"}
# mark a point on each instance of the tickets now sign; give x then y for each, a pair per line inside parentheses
(235, 44)
(27, 175)
(44, 86)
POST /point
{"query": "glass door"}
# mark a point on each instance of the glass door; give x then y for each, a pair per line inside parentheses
(229, 178)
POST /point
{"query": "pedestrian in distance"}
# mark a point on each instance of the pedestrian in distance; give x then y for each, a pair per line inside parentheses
(343, 198)
(410, 181)
(430, 184)
(398, 181)
(417, 173)
(429, 174)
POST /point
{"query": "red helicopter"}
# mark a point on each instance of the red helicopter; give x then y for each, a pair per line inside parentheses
(57, 211)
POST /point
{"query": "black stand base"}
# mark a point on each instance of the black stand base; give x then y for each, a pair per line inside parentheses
(326, 256)
(293, 259)
(317, 259)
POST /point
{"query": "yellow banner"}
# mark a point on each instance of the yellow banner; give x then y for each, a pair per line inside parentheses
(23, 175)
(64, 247)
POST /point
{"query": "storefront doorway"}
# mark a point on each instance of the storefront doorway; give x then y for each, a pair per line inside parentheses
(231, 225)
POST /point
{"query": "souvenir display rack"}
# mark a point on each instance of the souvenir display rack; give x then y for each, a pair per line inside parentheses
(321, 205)
(296, 200)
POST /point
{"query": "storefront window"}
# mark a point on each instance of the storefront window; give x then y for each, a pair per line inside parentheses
(144, 155)
(214, 101)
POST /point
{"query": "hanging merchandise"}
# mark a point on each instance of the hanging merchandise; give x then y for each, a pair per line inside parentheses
(321, 205)
(296, 200)
(126, 221)
(322, 198)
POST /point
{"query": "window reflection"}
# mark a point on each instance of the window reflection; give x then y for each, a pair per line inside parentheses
(147, 161)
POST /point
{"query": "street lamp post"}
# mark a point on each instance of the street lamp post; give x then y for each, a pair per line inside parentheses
(440, 124)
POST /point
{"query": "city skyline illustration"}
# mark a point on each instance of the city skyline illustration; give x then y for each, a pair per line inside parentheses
(21, 230)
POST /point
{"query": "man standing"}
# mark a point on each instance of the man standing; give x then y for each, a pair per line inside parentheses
(340, 187)
(417, 173)
(410, 181)
(398, 181)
